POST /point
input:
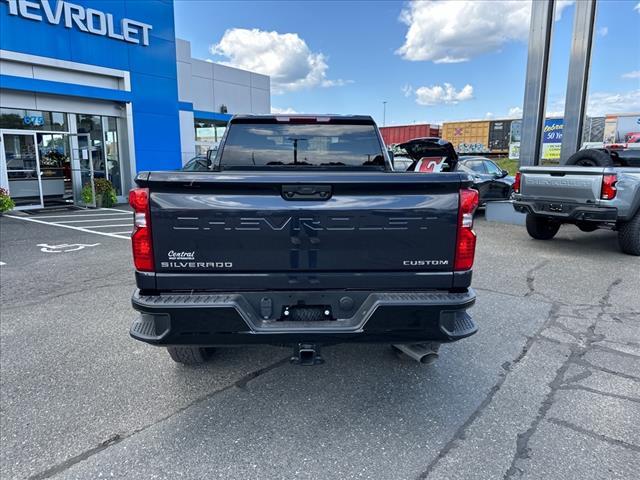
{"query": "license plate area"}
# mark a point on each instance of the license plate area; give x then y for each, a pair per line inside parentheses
(306, 313)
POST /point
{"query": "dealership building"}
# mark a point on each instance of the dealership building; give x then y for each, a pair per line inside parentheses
(94, 90)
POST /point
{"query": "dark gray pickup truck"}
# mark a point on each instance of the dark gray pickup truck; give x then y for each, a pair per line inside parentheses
(302, 234)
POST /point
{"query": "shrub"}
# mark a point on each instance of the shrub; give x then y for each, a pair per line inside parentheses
(104, 191)
(6, 203)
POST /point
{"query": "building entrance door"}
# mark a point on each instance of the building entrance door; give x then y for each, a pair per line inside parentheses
(83, 170)
(21, 159)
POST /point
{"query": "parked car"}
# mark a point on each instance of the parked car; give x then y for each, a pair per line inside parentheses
(292, 239)
(491, 181)
(199, 163)
(428, 155)
(588, 197)
(431, 154)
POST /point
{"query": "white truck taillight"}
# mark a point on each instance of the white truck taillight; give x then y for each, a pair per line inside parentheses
(608, 190)
(466, 238)
(141, 236)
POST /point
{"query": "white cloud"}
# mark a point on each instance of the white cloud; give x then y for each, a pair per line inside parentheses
(284, 111)
(603, 103)
(439, 94)
(489, 115)
(637, 7)
(515, 112)
(407, 90)
(285, 57)
(603, 31)
(452, 31)
(633, 74)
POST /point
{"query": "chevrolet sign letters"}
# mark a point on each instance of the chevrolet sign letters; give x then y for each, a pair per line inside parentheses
(84, 19)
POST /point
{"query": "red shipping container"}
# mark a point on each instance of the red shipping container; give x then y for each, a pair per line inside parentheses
(403, 133)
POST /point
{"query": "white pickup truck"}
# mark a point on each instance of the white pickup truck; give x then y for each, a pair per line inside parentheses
(588, 197)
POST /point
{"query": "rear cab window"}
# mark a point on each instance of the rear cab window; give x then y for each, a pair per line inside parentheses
(305, 143)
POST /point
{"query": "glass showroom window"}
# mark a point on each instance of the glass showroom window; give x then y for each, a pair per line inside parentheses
(103, 142)
(16, 119)
(208, 134)
(111, 148)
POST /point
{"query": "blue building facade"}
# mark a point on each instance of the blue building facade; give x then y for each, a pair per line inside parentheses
(90, 90)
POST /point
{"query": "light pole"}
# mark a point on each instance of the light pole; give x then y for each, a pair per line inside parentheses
(384, 113)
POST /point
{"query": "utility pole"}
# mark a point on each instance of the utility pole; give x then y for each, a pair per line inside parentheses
(384, 113)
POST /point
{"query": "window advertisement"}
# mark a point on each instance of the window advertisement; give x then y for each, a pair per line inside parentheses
(514, 139)
(552, 139)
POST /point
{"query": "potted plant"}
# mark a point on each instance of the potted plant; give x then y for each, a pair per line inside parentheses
(6, 203)
(105, 193)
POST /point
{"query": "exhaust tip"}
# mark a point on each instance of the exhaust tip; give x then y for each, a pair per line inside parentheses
(429, 358)
(424, 353)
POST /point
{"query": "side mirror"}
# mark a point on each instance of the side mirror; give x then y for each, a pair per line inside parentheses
(390, 153)
(504, 174)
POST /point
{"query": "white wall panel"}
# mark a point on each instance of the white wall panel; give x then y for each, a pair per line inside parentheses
(237, 98)
(183, 50)
(200, 68)
(231, 75)
(202, 94)
(72, 76)
(260, 101)
(260, 81)
(16, 69)
(13, 99)
(187, 136)
(184, 82)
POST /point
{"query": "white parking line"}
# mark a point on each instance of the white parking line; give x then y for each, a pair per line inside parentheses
(128, 232)
(117, 210)
(82, 215)
(110, 219)
(104, 226)
(71, 227)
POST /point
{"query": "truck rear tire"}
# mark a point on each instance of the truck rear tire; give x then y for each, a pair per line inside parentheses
(190, 355)
(629, 235)
(590, 158)
(541, 228)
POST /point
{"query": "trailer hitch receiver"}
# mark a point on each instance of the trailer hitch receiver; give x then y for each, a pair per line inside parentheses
(306, 354)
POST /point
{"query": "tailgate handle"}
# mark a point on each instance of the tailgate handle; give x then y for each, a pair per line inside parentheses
(306, 192)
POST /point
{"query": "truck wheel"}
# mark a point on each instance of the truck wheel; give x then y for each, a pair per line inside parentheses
(189, 355)
(629, 236)
(590, 158)
(587, 227)
(541, 228)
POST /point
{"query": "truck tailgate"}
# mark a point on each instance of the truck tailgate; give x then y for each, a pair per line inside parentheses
(217, 231)
(575, 184)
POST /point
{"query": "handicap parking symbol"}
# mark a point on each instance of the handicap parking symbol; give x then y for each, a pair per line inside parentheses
(65, 247)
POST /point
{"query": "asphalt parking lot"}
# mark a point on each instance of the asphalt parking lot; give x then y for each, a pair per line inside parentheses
(549, 387)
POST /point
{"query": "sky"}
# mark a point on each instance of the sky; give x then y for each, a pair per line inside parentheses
(430, 61)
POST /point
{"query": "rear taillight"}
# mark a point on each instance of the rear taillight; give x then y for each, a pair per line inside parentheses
(516, 183)
(141, 236)
(608, 190)
(466, 241)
